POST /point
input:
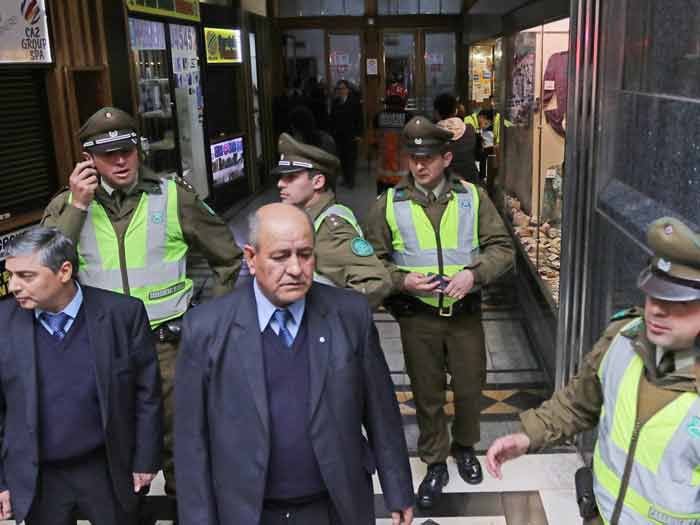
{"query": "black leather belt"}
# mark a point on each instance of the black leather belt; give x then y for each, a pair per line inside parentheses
(291, 503)
(406, 305)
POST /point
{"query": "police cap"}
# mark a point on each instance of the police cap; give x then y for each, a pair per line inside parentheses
(296, 156)
(422, 137)
(673, 273)
(109, 129)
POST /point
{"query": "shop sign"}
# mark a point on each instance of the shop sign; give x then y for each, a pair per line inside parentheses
(185, 9)
(223, 45)
(4, 275)
(24, 32)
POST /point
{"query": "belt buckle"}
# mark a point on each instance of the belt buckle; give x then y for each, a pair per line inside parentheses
(445, 311)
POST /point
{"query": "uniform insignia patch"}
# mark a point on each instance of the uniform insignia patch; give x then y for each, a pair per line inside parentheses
(361, 247)
(694, 427)
(157, 217)
(664, 265)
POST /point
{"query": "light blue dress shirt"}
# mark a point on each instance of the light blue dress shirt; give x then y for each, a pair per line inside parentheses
(71, 310)
(266, 310)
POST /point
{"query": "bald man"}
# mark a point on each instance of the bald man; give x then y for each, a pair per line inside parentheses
(275, 383)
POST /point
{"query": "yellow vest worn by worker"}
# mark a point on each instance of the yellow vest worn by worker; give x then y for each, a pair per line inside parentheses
(663, 454)
(154, 254)
(473, 121)
(416, 247)
(345, 213)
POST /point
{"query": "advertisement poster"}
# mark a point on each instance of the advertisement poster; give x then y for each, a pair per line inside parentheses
(4, 276)
(186, 9)
(227, 161)
(24, 32)
(223, 45)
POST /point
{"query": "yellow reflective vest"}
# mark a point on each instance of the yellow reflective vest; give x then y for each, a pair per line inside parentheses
(657, 464)
(153, 264)
(417, 247)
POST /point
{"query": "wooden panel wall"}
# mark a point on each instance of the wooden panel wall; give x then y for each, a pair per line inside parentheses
(79, 83)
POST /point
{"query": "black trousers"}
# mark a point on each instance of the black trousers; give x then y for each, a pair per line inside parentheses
(321, 512)
(347, 154)
(83, 485)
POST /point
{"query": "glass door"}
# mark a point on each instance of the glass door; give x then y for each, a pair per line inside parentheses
(440, 66)
(399, 72)
(149, 55)
(345, 59)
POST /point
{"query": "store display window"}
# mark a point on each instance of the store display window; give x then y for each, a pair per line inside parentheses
(535, 146)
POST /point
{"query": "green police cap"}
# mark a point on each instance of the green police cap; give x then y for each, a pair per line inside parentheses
(422, 137)
(297, 156)
(673, 273)
(109, 129)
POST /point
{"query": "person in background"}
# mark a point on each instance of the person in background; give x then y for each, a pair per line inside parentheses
(640, 386)
(463, 143)
(303, 128)
(347, 127)
(80, 399)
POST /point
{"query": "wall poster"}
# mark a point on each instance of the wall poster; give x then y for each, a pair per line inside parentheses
(24, 32)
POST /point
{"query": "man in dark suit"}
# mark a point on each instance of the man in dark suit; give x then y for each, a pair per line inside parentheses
(80, 402)
(274, 383)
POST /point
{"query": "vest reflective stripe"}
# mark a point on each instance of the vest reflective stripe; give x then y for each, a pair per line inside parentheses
(347, 214)
(414, 241)
(155, 252)
(663, 484)
(497, 128)
(472, 120)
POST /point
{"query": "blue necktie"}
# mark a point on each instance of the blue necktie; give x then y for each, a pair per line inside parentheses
(57, 322)
(283, 317)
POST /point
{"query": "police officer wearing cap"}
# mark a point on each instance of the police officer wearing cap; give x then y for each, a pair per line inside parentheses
(134, 231)
(344, 258)
(640, 386)
(441, 240)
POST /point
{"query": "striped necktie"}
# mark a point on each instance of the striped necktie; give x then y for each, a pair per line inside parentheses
(57, 323)
(283, 316)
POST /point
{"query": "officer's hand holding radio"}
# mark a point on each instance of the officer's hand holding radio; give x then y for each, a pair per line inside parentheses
(83, 183)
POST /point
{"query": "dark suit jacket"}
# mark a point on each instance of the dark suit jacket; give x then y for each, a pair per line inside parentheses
(128, 384)
(222, 436)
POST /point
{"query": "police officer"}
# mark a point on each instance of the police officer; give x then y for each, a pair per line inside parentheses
(134, 230)
(640, 386)
(441, 240)
(343, 257)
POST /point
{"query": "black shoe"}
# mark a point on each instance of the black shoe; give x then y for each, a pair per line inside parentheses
(431, 487)
(468, 465)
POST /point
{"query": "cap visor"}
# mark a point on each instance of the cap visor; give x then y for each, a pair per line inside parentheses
(657, 287)
(125, 145)
(283, 170)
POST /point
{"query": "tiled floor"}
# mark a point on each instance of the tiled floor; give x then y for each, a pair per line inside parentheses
(536, 489)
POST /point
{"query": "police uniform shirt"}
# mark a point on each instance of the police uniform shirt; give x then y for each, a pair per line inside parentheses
(437, 191)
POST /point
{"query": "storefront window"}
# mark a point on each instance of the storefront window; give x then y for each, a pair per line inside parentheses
(150, 59)
(534, 149)
(305, 56)
(297, 8)
(481, 71)
(399, 66)
(420, 7)
(440, 65)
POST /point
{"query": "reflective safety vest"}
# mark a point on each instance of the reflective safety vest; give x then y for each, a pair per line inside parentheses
(416, 247)
(664, 477)
(345, 213)
(154, 254)
(473, 121)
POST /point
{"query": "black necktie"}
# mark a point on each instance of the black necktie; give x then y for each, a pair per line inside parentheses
(667, 364)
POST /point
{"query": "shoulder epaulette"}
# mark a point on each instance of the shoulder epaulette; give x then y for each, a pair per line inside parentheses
(627, 313)
(400, 194)
(183, 183)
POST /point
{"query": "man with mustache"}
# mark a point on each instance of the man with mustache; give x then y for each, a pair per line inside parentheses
(275, 384)
(640, 386)
(134, 229)
(344, 258)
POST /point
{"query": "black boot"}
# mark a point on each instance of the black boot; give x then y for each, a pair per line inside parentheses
(468, 465)
(431, 487)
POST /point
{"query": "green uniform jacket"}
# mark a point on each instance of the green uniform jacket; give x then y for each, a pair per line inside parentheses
(202, 228)
(576, 407)
(495, 257)
(336, 260)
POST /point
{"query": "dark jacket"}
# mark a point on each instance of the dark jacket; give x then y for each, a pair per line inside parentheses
(346, 120)
(128, 383)
(222, 439)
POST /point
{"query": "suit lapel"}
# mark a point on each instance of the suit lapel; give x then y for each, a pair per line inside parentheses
(101, 346)
(245, 338)
(320, 344)
(24, 347)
